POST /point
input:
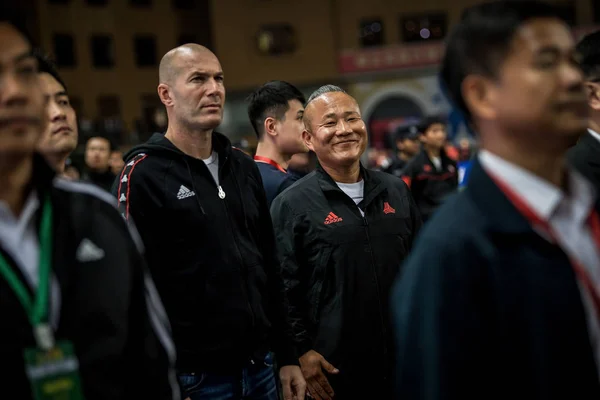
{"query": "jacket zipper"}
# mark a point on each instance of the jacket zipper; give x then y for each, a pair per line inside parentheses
(221, 194)
(383, 330)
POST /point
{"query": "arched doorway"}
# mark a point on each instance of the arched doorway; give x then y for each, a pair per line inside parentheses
(387, 114)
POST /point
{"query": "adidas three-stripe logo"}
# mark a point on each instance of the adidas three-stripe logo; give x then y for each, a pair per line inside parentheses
(332, 218)
(184, 193)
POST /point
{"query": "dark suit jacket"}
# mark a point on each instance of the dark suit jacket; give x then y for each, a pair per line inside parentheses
(488, 309)
(585, 157)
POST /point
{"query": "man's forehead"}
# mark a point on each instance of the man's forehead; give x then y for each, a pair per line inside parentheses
(13, 46)
(295, 105)
(333, 101)
(49, 84)
(544, 33)
(202, 61)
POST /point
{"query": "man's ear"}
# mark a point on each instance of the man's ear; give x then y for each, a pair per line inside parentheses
(592, 90)
(479, 94)
(269, 126)
(164, 94)
(307, 137)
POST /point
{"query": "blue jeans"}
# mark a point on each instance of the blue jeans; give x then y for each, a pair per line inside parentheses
(254, 382)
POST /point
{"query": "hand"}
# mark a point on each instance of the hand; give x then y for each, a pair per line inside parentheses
(292, 382)
(313, 364)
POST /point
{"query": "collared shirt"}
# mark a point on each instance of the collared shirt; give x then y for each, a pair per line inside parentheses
(567, 214)
(19, 238)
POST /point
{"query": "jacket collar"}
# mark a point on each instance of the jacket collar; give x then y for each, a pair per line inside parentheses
(159, 143)
(589, 140)
(373, 184)
(500, 214)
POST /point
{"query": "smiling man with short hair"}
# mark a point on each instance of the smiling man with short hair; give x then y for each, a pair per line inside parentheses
(342, 233)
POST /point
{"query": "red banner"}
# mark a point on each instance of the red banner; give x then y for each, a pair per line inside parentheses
(401, 57)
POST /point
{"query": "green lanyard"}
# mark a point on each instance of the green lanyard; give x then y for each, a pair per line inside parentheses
(36, 308)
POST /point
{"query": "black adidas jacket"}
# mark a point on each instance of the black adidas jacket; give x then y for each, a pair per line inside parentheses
(339, 266)
(109, 308)
(429, 186)
(213, 259)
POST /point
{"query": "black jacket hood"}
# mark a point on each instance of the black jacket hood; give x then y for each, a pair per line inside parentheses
(158, 143)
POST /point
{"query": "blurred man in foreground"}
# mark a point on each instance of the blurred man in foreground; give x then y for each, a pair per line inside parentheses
(499, 298)
(79, 311)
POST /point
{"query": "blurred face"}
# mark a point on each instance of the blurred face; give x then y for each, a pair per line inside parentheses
(289, 129)
(61, 132)
(97, 153)
(409, 146)
(197, 94)
(435, 136)
(335, 130)
(116, 162)
(22, 108)
(539, 92)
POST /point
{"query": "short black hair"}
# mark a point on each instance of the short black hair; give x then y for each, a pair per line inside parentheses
(271, 100)
(47, 65)
(427, 122)
(111, 143)
(481, 41)
(589, 51)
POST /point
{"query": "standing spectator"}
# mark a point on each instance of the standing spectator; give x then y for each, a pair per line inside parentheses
(275, 111)
(407, 143)
(116, 162)
(499, 297)
(79, 312)
(194, 195)
(97, 166)
(431, 175)
(342, 233)
(60, 138)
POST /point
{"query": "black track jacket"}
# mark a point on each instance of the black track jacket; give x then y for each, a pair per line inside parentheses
(213, 259)
(339, 267)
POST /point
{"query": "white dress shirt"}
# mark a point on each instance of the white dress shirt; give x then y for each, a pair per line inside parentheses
(567, 215)
(19, 238)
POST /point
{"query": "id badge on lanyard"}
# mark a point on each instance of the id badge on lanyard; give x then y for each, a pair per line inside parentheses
(51, 367)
